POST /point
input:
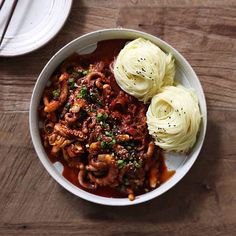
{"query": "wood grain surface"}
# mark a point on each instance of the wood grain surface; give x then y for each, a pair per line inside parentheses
(203, 203)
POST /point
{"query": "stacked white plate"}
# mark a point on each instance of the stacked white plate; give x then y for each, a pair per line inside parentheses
(33, 24)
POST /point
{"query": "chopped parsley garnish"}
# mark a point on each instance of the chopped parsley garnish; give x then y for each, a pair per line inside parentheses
(83, 72)
(121, 163)
(101, 117)
(104, 124)
(131, 158)
(71, 80)
(83, 92)
(109, 134)
(112, 142)
(103, 144)
(138, 164)
(72, 84)
(56, 93)
(86, 72)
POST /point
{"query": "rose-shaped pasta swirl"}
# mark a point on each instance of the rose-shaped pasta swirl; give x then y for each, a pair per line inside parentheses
(142, 68)
(173, 118)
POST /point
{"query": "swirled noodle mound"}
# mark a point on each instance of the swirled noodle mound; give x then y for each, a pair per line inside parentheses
(173, 118)
(142, 68)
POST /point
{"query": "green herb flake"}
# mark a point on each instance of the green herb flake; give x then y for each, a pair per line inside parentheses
(56, 92)
(104, 124)
(101, 117)
(138, 164)
(86, 72)
(103, 144)
(131, 158)
(72, 85)
(112, 142)
(71, 80)
(109, 134)
(82, 93)
(121, 163)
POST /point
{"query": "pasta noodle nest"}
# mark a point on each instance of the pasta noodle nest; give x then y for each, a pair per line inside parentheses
(173, 118)
(142, 68)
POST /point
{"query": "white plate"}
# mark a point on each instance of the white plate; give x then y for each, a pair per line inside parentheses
(33, 24)
(87, 43)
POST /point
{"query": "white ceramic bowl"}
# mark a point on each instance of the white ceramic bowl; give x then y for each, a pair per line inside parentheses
(86, 43)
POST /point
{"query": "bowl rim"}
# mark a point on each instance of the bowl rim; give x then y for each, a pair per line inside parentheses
(34, 130)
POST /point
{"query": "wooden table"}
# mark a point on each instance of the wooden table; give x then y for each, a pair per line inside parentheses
(203, 203)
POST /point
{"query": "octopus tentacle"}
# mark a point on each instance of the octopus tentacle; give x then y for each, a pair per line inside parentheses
(54, 105)
(83, 182)
(94, 75)
(153, 176)
(97, 166)
(71, 117)
(67, 132)
(112, 172)
(150, 151)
